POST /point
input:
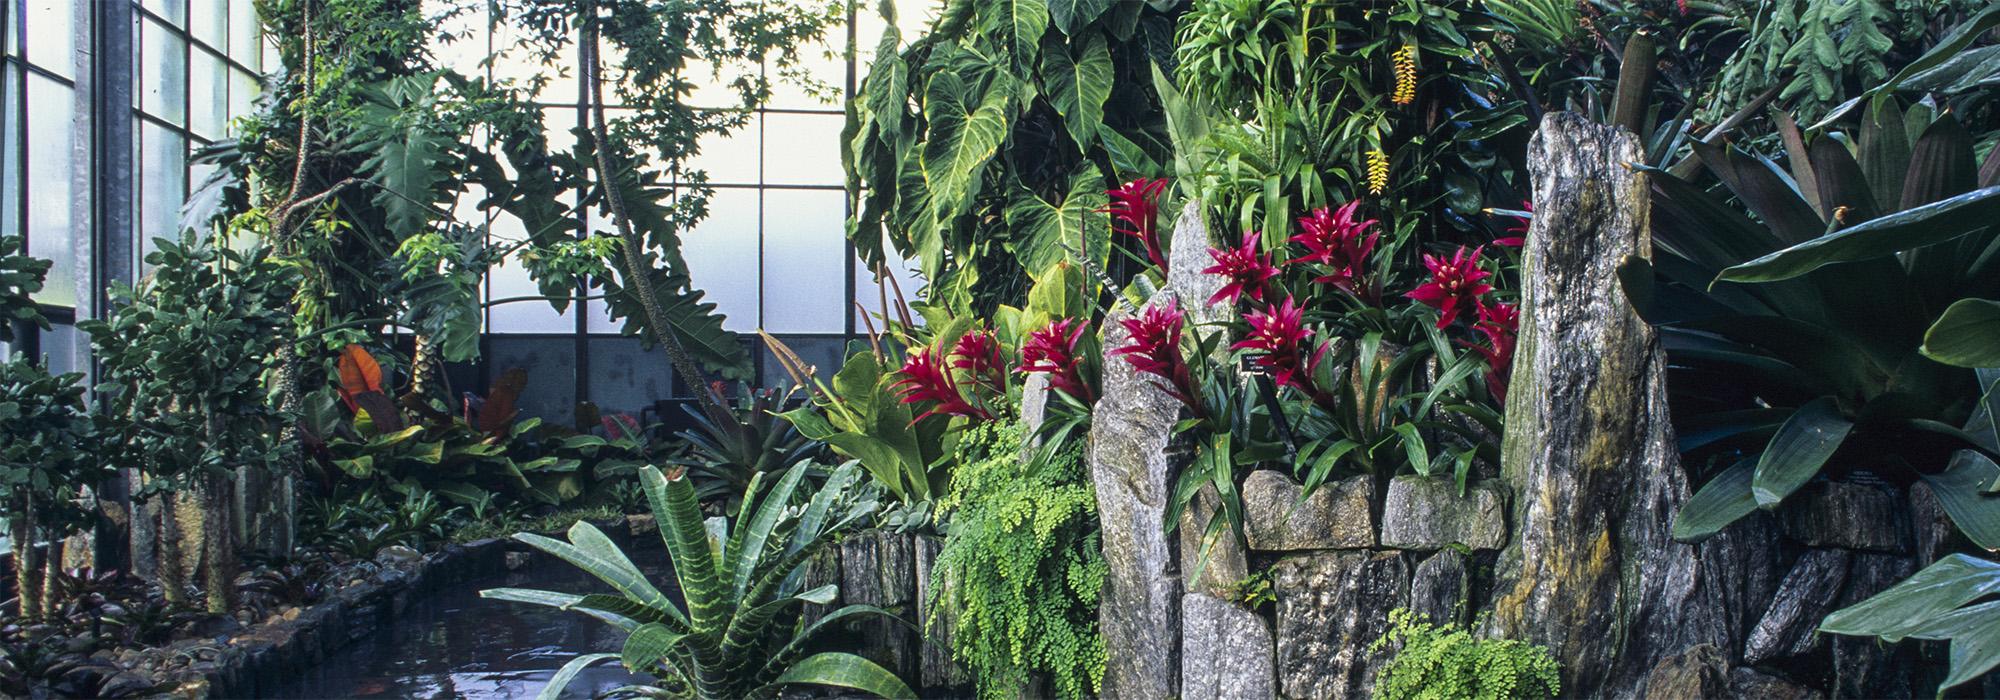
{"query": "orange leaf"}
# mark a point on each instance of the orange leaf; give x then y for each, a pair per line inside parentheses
(358, 371)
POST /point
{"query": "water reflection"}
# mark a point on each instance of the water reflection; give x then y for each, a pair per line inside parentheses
(454, 644)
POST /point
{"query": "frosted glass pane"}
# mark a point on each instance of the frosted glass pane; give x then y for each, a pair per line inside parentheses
(869, 291)
(244, 32)
(162, 73)
(560, 124)
(732, 158)
(721, 254)
(510, 279)
(174, 10)
(804, 244)
(208, 94)
(599, 320)
(52, 113)
(825, 64)
(208, 21)
(243, 91)
(162, 164)
(466, 31)
(51, 35)
(802, 149)
(10, 156)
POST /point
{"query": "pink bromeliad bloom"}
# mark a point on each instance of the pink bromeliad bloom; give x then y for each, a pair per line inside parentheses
(1135, 210)
(1246, 268)
(1499, 323)
(978, 355)
(1280, 334)
(1517, 233)
(1155, 349)
(925, 379)
(1455, 283)
(1334, 239)
(1051, 350)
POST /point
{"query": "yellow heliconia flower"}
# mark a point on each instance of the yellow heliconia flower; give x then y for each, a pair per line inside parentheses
(1378, 171)
(1405, 62)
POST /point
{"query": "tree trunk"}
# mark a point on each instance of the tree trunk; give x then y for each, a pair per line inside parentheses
(167, 554)
(632, 247)
(218, 543)
(1589, 450)
(27, 575)
(51, 577)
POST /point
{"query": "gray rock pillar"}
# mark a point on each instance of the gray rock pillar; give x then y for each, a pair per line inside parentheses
(1589, 450)
(1133, 468)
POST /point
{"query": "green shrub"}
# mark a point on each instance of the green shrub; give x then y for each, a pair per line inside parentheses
(1021, 565)
(1448, 661)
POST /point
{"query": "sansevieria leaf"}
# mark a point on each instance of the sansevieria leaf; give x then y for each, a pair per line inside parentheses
(1798, 450)
(1967, 335)
(846, 671)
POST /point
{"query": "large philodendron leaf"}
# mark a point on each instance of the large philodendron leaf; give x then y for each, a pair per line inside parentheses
(408, 153)
(1071, 15)
(1967, 335)
(1046, 231)
(690, 317)
(1933, 605)
(1027, 21)
(1723, 500)
(965, 132)
(1882, 236)
(1079, 85)
(1798, 450)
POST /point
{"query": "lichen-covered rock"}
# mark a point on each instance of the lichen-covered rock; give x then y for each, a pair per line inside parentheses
(1131, 457)
(1427, 513)
(1211, 564)
(1439, 585)
(1700, 673)
(878, 568)
(1130, 460)
(1336, 516)
(1228, 650)
(1840, 514)
(1589, 452)
(1804, 598)
(936, 668)
(1331, 607)
(1750, 683)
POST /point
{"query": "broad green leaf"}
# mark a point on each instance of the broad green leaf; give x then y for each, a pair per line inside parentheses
(1967, 335)
(565, 601)
(1078, 86)
(1932, 605)
(1798, 450)
(1960, 490)
(1072, 15)
(1043, 229)
(964, 135)
(1027, 20)
(1882, 236)
(1723, 500)
(842, 670)
(560, 681)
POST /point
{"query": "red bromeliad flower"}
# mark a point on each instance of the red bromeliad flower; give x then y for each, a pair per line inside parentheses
(1051, 350)
(925, 379)
(1333, 238)
(1155, 349)
(978, 354)
(1135, 209)
(1246, 268)
(1519, 229)
(1499, 323)
(1454, 283)
(1280, 334)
